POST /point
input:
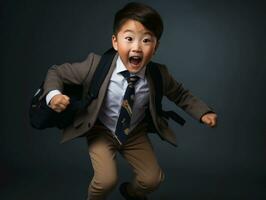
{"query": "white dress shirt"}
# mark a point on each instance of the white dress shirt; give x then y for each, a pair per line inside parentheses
(110, 109)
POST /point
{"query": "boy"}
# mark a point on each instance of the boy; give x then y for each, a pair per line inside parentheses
(110, 127)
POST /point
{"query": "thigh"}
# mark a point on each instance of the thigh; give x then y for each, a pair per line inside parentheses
(138, 151)
(102, 153)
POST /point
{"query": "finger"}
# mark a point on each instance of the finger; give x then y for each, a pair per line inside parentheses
(210, 124)
(63, 99)
(66, 98)
(64, 102)
(60, 99)
(215, 119)
(56, 101)
(207, 120)
(62, 106)
(58, 107)
(213, 123)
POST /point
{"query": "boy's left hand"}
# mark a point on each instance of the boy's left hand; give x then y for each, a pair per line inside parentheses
(209, 119)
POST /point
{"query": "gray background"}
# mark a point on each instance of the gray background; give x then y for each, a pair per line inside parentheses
(216, 48)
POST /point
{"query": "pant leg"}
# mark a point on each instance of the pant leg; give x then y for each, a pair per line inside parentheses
(102, 153)
(138, 151)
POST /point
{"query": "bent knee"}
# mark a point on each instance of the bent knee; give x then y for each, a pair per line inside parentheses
(151, 181)
(105, 183)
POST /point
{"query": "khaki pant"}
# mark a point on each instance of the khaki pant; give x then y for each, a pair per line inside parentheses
(138, 151)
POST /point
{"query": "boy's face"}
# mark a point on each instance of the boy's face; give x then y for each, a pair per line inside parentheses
(135, 45)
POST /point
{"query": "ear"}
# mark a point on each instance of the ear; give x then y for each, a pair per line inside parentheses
(114, 42)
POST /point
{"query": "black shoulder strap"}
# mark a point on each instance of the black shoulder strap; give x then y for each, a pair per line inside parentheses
(158, 82)
(99, 75)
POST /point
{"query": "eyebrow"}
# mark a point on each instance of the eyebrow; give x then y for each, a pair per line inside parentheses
(146, 33)
(128, 30)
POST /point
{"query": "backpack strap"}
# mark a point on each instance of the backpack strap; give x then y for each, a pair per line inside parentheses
(158, 82)
(97, 79)
(100, 73)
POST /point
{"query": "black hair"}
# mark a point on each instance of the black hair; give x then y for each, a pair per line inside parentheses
(142, 13)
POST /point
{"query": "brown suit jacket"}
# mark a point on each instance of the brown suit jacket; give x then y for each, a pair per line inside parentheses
(81, 73)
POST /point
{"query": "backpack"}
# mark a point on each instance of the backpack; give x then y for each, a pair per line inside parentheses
(42, 116)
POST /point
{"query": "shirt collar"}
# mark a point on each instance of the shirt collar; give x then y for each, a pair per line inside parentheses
(121, 67)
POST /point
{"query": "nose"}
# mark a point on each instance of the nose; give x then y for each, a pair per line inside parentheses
(136, 47)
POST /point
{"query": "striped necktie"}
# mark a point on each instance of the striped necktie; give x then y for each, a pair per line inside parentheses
(123, 122)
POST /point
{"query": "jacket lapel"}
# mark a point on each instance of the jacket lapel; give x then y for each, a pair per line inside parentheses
(94, 108)
(106, 82)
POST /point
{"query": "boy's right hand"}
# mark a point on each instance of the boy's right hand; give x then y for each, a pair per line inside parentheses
(59, 102)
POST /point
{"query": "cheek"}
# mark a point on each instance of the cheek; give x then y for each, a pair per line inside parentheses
(150, 53)
(123, 49)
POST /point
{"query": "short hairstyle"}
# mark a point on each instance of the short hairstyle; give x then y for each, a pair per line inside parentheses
(142, 13)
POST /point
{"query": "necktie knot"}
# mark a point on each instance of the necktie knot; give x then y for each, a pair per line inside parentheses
(131, 80)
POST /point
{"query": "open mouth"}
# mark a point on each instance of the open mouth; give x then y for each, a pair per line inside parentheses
(135, 60)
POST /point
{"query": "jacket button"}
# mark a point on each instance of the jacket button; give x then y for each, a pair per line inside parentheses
(89, 124)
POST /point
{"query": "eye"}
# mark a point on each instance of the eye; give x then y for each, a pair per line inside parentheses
(146, 40)
(129, 39)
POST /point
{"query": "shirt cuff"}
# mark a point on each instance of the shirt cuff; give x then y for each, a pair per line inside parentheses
(50, 95)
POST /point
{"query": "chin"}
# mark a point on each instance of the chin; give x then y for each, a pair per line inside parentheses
(134, 69)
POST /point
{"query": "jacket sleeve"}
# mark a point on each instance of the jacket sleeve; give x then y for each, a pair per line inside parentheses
(182, 97)
(67, 73)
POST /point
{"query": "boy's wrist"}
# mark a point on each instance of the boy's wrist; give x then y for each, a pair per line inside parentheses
(50, 95)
